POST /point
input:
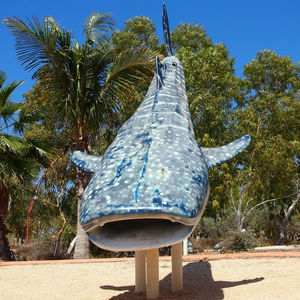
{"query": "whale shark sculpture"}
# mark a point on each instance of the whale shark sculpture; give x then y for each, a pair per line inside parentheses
(151, 186)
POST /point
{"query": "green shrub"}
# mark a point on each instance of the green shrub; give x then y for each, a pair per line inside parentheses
(211, 231)
(293, 230)
(39, 250)
(215, 228)
(240, 241)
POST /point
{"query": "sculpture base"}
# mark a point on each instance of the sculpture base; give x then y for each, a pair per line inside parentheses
(147, 271)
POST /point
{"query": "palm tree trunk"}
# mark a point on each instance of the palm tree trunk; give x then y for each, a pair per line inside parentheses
(4, 199)
(5, 252)
(82, 246)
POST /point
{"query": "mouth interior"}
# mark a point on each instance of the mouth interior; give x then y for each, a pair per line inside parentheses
(138, 234)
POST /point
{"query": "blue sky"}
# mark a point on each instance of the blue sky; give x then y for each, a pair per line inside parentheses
(244, 26)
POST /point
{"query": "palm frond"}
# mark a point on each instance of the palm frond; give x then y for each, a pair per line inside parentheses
(128, 69)
(18, 166)
(3, 77)
(97, 28)
(6, 91)
(37, 147)
(9, 109)
(35, 42)
(22, 157)
(12, 144)
(26, 118)
(64, 36)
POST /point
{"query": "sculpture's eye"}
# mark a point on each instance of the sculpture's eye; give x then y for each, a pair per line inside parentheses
(174, 64)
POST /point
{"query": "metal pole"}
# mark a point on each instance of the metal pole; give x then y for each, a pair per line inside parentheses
(28, 213)
(177, 277)
(152, 288)
(140, 271)
(185, 247)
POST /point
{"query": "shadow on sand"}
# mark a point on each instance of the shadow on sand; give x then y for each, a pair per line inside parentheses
(198, 283)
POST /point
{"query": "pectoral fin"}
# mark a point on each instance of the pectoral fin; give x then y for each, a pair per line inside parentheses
(215, 156)
(85, 161)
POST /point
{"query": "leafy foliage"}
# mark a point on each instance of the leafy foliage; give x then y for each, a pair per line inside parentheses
(138, 32)
(191, 37)
(270, 114)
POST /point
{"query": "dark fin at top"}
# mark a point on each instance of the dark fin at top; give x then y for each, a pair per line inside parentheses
(167, 31)
(159, 77)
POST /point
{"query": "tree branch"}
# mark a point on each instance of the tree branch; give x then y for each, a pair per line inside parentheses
(72, 245)
(266, 201)
(248, 202)
(231, 198)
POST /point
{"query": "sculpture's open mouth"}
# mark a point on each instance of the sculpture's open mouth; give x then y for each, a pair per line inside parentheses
(138, 234)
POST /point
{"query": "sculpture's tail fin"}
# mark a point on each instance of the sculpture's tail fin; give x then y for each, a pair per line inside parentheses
(167, 31)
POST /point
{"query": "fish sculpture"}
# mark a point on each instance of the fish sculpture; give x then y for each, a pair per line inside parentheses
(151, 186)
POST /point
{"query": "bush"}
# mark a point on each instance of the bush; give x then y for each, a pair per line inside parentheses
(267, 222)
(240, 241)
(215, 228)
(39, 250)
(201, 244)
(211, 231)
(293, 230)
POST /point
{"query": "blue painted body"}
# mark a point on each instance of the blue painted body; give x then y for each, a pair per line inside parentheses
(154, 169)
(154, 164)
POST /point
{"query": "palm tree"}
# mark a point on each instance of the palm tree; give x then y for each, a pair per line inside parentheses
(87, 81)
(18, 156)
(7, 145)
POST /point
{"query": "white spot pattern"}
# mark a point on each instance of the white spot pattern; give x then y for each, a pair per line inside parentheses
(154, 165)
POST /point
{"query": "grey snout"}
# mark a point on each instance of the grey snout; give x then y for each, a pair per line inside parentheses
(138, 234)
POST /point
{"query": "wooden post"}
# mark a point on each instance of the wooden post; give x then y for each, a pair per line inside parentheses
(152, 287)
(140, 271)
(177, 277)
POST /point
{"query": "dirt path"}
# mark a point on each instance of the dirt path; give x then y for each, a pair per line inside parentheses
(225, 276)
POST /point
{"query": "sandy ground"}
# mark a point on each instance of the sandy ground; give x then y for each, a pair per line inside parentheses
(208, 277)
